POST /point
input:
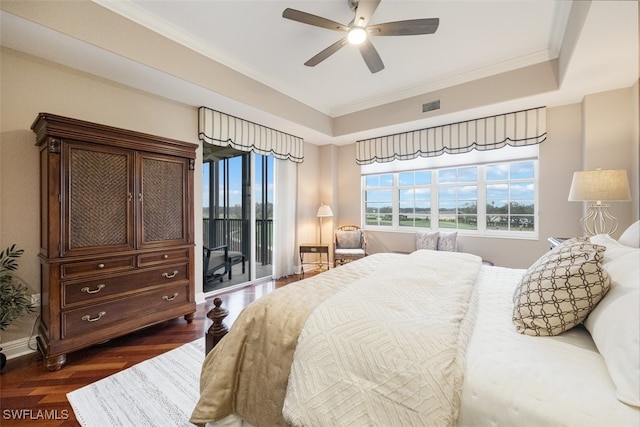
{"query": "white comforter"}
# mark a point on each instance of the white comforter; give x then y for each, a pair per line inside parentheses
(351, 368)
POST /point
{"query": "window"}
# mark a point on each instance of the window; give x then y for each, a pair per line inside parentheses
(487, 199)
(510, 196)
(378, 200)
(415, 199)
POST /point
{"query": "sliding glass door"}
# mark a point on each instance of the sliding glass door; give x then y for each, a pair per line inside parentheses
(238, 213)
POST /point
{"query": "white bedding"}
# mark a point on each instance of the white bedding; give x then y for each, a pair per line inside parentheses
(520, 380)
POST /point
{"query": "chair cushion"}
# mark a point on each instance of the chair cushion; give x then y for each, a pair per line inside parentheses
(349, 239)
(349, 252)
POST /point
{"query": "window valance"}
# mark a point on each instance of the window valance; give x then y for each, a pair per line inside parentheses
(527, 127)
(224, 130)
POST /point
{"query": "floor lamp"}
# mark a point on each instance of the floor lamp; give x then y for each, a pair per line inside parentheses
(595, 187)
(323, 211)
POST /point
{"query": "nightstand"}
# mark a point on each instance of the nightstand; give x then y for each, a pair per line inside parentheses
(555, 241)
(313, 248)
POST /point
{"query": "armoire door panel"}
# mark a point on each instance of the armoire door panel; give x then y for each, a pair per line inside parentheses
(162, 200)
(97, 199)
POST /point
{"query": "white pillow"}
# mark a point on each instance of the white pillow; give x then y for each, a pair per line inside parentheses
(614, 323)
(631, 236)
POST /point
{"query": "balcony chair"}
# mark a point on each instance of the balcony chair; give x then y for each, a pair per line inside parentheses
(235, 258)
(216, 263)
(349, 244)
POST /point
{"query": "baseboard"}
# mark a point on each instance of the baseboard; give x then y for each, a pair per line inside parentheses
(17, 348)
(200, 298)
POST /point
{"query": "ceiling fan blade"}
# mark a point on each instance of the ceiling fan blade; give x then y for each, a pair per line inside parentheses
(411, 27)
(365, 11)
(318, 21)
(371, 57)
(326, 53)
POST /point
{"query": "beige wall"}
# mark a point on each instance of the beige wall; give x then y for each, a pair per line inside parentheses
(30, 86)
(329, 174)
(609, 140)
(603, 128)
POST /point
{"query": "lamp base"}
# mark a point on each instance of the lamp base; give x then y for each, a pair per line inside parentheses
(599, 220)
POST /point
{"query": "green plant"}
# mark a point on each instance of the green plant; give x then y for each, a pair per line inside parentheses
(14, 296)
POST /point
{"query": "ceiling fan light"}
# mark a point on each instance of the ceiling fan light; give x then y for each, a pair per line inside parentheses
(357, 35)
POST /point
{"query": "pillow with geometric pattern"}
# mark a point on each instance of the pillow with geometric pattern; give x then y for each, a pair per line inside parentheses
(560, 289)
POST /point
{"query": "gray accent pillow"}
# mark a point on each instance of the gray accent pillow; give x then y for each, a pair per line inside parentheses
(560, 289)
(448, 241)
(427, 240)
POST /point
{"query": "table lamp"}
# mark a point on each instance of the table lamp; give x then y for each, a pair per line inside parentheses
(595, 187)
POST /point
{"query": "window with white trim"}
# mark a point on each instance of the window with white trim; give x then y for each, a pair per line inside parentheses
(493, 198)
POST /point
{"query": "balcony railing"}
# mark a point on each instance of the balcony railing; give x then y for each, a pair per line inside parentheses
(232, 232)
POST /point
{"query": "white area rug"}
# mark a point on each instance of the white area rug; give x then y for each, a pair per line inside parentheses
(157, 392)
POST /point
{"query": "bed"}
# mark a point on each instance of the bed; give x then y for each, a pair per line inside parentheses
(438, 338)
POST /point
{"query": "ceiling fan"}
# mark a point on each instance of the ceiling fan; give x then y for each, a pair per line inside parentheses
(358, 32)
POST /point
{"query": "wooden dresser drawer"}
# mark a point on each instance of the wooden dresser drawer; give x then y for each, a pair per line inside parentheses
(88, 291)
(87, 319)
(97, 266)
(154, 258)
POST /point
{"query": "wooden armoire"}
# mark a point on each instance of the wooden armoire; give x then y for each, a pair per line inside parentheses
(116, 226)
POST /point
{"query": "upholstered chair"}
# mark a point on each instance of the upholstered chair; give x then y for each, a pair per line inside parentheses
(349, 244)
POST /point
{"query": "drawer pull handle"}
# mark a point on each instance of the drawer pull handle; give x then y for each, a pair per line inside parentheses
(94, 291)
(168, 298)
(94, 319)
(170, 276)
(100, 265)
(165, 256)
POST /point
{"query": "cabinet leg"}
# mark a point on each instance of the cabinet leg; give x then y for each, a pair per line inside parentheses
(54, 363)
(189, 317)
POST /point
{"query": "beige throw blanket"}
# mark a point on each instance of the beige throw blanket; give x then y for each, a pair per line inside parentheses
(388, 350)
(247, 372)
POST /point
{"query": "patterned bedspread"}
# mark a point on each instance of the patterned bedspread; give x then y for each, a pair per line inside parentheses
(248, 372)
(387, 350)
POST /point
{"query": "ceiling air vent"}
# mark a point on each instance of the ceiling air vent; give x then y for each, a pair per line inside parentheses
(430, 106)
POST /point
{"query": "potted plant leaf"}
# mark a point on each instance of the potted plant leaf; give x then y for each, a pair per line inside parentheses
(15, 300)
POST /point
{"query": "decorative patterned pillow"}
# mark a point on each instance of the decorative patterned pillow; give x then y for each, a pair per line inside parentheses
(348, 239)
(560, 289)
(448, 241)
(427, 240)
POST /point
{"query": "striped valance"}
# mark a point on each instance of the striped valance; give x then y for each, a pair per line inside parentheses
(516, 129)
(224, 130)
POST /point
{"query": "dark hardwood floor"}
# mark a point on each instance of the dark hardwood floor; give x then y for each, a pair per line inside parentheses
(30, 395)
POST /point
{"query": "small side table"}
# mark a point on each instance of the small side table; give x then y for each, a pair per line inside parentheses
(555, 241)
(313, 248)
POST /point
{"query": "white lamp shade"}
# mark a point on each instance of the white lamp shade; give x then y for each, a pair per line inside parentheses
(600, 185)
(324, 210)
